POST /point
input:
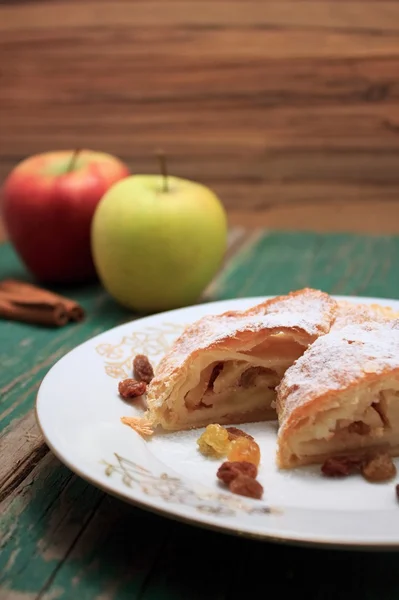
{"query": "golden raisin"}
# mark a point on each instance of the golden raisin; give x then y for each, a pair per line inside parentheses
(246, 486)
(235, 433)
(214, 441)
(244, 449)
(379, 468)
(230, 470)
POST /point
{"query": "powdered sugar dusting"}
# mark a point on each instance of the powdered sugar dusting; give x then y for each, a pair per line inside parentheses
(349, 313)
(309, 311)
(337, 360)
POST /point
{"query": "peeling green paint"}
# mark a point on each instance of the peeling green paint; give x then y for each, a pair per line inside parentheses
(61, 538)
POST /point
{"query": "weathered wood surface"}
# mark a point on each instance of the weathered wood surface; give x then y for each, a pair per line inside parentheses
(339, 215)
(266, 101)
(62, 538)
(34, 350)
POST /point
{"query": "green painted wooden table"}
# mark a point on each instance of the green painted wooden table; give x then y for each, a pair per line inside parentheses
(63, 538)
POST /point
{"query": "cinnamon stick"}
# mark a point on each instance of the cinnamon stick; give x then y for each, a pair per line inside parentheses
(36, 294)
(38, 313)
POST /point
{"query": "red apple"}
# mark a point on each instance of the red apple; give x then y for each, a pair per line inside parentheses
(48, 201)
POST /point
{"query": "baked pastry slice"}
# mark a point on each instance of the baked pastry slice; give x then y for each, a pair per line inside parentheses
(342, 395)
(225, 368)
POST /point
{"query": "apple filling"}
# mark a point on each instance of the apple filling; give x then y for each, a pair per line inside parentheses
(366, 419)
(227, 382)
(240, 388)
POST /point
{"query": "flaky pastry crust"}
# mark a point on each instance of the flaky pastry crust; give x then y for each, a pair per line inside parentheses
(350, 375)
(246, 339)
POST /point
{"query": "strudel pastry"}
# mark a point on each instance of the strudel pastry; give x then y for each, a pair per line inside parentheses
(342, 395)
(225, 368)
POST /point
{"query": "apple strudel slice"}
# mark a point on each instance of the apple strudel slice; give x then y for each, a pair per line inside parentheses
(225, 368)
(341, 396)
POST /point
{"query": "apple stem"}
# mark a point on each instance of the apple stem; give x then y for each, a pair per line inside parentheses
(72, 162)
(164, 169)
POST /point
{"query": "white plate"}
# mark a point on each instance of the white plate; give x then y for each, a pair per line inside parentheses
(79, 410)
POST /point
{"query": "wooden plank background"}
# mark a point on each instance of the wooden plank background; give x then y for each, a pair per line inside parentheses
(272, 103)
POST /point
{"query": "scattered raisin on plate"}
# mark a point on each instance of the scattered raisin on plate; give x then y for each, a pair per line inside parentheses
(246, 486)
(240, 469)
(130, 388)
(379, 468)
(341, 466)
(244, 449)
(214, 441)
(235, 433)
(142, 368)
(230, 470)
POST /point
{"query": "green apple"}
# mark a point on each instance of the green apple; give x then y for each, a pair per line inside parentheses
(158, 242)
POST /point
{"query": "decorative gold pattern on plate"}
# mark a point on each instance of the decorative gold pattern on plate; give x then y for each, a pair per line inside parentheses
(151, 341)
(155, 342)
(177, 491)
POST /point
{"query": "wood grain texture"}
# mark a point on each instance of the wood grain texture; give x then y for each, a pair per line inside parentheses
(62, 538)
(276, 263)
(356, 217)
(266, 102)
(289, 110)
(117, 552)
(27, 352)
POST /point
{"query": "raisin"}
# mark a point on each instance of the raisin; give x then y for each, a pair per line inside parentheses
(246, 486)
(215, 372)
(235, 433)
(379, 468)
(230, 470)
(142, 368)
(244, 449)
(341, 466)
(130, 388)
(359, 427)
(214, 441)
